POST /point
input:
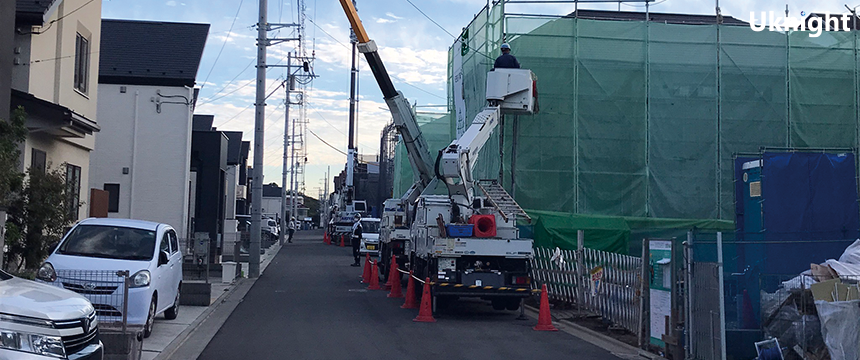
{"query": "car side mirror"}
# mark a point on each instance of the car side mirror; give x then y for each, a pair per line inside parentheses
(162, 258)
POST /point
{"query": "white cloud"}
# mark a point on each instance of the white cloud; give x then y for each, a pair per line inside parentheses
(171, 3)
(383, 21)
(395, 17)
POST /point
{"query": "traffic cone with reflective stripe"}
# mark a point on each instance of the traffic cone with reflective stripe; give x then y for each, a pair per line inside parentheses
(365, 276)
(374, 278)
(341, 241)
(410, 294)
(394, 280)
(425, 313)
(544, 318)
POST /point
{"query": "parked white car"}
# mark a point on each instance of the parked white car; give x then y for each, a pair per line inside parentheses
(39, 322)
(149, 251)
(369, 236)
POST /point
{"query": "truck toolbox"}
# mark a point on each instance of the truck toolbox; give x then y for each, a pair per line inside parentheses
(460, 230)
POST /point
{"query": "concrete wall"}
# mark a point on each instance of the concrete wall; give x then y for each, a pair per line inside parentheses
(7, 44)
(155, 146)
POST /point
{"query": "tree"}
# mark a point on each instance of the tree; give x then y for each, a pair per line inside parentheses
(38, 206)
(12, 133)
(38, 217)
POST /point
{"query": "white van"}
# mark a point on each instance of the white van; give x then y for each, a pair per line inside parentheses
(149, 251)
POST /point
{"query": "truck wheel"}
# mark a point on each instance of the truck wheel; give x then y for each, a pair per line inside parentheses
(513, 304)
(499, 304)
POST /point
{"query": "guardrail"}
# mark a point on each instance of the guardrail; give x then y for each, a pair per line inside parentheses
(599, 282)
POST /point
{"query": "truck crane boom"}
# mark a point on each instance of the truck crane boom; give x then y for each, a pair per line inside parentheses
(404, 119)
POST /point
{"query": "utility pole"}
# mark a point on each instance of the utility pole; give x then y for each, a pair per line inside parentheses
(263, 27)
(350, 161)
(285, 217)
(259, 135)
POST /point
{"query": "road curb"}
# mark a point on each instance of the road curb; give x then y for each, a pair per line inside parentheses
(614, 346)
(181, 348)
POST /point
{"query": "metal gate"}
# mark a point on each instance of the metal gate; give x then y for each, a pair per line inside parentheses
(705, 299)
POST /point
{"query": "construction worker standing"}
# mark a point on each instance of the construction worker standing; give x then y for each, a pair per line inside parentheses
(506, 60)
(356, 240)
(292, 228)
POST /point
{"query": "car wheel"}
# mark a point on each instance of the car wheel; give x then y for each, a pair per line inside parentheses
(173, 311)
(150, 319)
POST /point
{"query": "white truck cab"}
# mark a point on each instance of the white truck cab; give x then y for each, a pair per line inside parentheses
(39, 321)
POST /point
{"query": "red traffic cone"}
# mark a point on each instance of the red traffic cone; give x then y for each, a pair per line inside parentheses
(410, 294)
(392, 266)
(374, 278)
(394, 280)
(325, 238)
(544, 318)
(365, 276)
(425, 313)
(341, 241)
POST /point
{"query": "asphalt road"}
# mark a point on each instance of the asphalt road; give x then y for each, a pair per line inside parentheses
(310, 304)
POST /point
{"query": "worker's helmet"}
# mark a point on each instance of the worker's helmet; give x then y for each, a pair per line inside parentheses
(506, 46)
(357, 217)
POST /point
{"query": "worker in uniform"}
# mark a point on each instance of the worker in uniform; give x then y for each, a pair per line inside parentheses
(506, 60)
(291, 229)
(356, 240)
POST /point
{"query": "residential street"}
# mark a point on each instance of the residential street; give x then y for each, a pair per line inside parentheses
(309, 304)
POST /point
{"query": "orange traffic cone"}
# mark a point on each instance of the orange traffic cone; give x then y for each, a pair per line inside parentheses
(394, 280)
(544, 318)
(325, 238)
(392, 265)
(425, 314)
(410, 294)
(365, 276)
(374, 278)
(341, 241)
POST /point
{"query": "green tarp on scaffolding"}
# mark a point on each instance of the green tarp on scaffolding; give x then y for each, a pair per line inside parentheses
(643, 120)
(611, 233)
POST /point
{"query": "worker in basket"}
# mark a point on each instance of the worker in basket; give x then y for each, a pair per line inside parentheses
(506, 60)
(356, 239)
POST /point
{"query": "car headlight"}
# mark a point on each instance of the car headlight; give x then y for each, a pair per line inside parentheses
(32, 343)
(47, 273)
(140, 279)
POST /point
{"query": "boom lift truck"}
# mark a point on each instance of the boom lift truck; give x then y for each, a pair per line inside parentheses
(467, 245)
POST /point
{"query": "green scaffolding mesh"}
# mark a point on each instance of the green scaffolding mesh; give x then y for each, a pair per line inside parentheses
(643, 119)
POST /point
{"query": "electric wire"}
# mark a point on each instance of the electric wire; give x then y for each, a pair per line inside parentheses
(431, 20)
(42, 31)
(365, 60)
(224, 44)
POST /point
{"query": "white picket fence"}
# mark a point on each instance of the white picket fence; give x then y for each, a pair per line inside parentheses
(603, 283)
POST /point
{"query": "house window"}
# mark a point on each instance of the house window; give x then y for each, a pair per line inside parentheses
(82, 63)
(73, 189)
(38, 160)
(113, 197)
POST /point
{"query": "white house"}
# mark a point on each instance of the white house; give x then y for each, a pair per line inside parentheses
(53, 79)
(146, 90)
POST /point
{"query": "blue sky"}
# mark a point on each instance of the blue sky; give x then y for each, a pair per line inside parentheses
(413, 48)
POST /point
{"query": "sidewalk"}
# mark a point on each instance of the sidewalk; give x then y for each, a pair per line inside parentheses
(169, 334)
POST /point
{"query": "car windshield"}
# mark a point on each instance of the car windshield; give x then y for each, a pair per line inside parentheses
(371, 227)
(272, 223)
(110, 242)
(4, 275)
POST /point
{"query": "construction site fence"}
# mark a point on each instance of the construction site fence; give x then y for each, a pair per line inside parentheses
(644, 119)
(597, 282)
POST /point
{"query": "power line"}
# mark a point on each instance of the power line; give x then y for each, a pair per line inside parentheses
(249, 106)
(365, 60)
(41, 31)
(325, 142)
(226, 38)
(431, 20)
